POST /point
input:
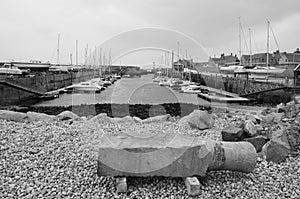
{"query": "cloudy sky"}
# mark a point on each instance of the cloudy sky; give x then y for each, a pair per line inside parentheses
(143, 31)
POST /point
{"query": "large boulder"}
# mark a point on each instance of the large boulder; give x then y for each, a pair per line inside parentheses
(275, 150)
(126, 119)
(281, 108)
(254, 118)
(267, 111)
(293, 135)
(170, 155)
(67, 115)
(296, 99)
(258, 142)
(292, 110)
(199, 119)
(250, 128)
(101, 118)
(13, 116)
(278, 148)
(159, 118)
(35, 117)
(232, 133)
(273, 118)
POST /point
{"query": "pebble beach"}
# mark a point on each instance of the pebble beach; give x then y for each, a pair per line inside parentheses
(52, 159)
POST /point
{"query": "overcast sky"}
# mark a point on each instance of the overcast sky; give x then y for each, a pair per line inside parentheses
(29, 28)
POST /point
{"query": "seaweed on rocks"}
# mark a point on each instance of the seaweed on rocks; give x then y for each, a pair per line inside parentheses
(142, 111)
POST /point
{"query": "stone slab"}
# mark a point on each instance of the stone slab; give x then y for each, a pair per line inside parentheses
(170, 155)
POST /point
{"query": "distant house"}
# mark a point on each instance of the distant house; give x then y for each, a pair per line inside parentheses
(224, 60)
(213, 61)
(245, 60)
(182, 63)
(260, 59)
(288, 60)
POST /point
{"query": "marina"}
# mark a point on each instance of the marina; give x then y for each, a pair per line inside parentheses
(149, 99)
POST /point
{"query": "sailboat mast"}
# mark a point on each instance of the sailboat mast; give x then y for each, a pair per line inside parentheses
(58, 38)
(172, 60)
(85, 55)
(76, 52)
(250, 61)
(100, 58)
(109, 61)
(178, 50)
(268, 45)
(240, 39)
(71, 60)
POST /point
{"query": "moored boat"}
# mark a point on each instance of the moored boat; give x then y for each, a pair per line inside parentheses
(86, 86)
(192, 89)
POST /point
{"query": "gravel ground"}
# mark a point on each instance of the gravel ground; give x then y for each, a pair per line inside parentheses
(49, 160)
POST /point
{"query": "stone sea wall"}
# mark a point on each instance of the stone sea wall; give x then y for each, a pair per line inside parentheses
(42, 83)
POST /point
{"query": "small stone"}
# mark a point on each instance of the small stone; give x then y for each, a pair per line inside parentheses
(33, 151)
(121, 185)
(273, 118)
(192, 185)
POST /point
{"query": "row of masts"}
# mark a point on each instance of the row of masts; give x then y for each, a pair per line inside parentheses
(101, 61)
(165, 59)
(250, 42)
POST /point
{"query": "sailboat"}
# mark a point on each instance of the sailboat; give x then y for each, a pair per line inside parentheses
(264, 71)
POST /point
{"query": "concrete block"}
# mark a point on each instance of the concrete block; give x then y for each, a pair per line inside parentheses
(193, 185)
(121, 184)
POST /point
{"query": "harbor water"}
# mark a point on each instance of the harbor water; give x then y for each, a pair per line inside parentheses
(127, 91)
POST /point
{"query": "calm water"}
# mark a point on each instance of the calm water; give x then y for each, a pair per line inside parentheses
(130, 91)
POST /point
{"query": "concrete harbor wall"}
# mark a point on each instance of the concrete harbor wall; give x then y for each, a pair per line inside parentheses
(41, 83)
(238, 85)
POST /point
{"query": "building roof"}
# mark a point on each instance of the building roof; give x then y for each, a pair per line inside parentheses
(260, 55)
(293, 57)
(246, 57)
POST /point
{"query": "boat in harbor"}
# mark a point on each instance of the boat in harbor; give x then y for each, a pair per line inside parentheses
(117, 76)
(178, 84)
(86, 86)
(9, 69)
(191, 89)
(157, 79)
(230, 69)
(165, 82)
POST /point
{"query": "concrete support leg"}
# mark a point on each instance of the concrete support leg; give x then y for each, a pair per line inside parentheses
(193, 185)
(121, 184)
